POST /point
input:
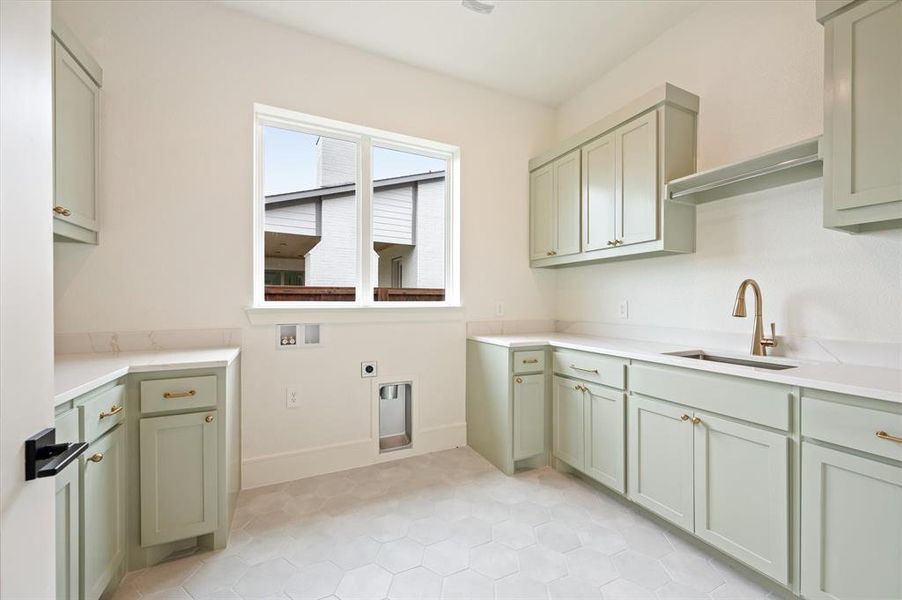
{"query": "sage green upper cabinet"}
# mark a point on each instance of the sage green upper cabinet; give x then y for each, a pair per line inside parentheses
(103, 512)
(742, 492)
(566, 205)
(568, 422)
(179, 468)
(619, 209)
(554, 208)
(599, 194)
(541, 212)
(637, 180)
(862, 117)
(660, 453)
(76, 138)
(605, 444)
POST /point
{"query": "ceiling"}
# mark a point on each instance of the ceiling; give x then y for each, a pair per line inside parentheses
(543, 50)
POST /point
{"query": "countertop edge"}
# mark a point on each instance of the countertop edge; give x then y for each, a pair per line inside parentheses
(599, 346)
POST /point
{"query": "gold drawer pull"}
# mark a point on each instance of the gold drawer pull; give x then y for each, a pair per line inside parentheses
(584, 369)
(530, 361)
(171, 395)
(96, 457)
(685, 417)
(208, 418)
(114, 410)
(696, 420)
(61, 210)
(885, 436)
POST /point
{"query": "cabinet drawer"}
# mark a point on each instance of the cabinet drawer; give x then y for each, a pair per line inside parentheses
(529, 361)
(591, 367)
(182, 393)
(747, 399)
(852, 426)
(101, 413)
(67, 426)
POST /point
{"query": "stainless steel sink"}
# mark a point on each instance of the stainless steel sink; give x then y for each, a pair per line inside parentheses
(730, 360)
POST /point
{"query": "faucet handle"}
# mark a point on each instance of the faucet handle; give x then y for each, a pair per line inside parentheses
(772, 340)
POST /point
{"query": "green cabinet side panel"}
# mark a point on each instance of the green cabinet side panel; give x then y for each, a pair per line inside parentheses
(179, 476)
(489, 413)
(67, 532)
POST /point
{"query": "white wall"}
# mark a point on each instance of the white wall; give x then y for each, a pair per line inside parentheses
(26, 328)
(757, 67)
(180, 80)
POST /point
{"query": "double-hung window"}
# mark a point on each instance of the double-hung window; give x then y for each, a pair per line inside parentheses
(349, 216)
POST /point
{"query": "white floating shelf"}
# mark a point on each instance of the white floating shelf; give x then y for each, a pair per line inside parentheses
(789, 164)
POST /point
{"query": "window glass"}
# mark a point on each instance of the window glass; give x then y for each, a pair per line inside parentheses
(408, 226)
(310, 223)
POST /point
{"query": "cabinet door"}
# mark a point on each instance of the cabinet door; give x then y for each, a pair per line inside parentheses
(599, 194)
(67, 533)
(529, 415)
(851, 526)
(76, 127)
(742, 493)
(566, 204)
(178, 476)
(863, 111)
(568, 422)
(103, 512)
(541, 213)
(637, 179)
(659, 475)
(605, 431)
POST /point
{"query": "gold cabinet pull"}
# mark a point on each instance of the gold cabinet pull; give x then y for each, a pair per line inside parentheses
(208, 418)
(530, 361)
(96, 457)
(518, 380)
(696, 420)
(885, 436)
(62, 210)
(685, 417)
(171, 395)
(584, 369)
(114, 410)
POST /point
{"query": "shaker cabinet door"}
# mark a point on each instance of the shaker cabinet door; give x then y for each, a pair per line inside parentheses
(567, 210)
(178, 476)
(605, 437)
(599, 194)
(660, 459)
(529, 415)
(568, 420)
(67, 533)
(637, 179)
(541, 212)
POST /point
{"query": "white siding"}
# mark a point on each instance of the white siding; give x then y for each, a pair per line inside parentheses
(297, 219)
(393, 215)
(333, 261)
(429, 255)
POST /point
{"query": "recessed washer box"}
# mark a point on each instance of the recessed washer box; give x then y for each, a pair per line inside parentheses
(298, 335)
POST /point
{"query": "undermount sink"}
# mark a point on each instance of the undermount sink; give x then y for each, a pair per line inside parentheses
(730, 360)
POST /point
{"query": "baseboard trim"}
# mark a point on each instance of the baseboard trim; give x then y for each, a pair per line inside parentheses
(271, 469)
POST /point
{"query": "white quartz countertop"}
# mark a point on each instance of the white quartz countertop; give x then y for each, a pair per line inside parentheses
(870, 382)
(77, 374)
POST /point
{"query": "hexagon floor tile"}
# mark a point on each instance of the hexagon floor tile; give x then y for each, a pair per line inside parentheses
(442, 525)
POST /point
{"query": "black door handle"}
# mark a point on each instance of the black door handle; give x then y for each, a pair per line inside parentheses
(45, 458)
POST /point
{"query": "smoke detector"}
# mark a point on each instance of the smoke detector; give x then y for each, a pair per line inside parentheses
(482, 7)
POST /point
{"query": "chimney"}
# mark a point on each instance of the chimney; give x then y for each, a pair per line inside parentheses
(336, 161)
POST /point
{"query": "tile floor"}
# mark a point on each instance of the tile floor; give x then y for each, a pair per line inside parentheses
(443, 525)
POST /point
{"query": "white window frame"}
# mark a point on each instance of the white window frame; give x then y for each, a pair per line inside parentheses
(365, 138)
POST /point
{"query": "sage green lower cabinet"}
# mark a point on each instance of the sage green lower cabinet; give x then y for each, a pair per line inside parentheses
(742, 492)
(660, 455)
(529, 415)
(568, 422)
(179, 472)
(67, 533)
(851, 526)
(103, 512)
(605, 445)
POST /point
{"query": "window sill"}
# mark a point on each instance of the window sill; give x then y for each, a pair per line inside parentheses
(274, 314)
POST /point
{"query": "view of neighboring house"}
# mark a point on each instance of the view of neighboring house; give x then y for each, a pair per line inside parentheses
(311, 237)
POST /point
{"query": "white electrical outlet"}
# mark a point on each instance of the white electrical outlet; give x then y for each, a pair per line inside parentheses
(499, 309)
(624, 309)
(291, 397)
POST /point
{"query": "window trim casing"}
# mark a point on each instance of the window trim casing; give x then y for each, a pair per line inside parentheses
(365, 138)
